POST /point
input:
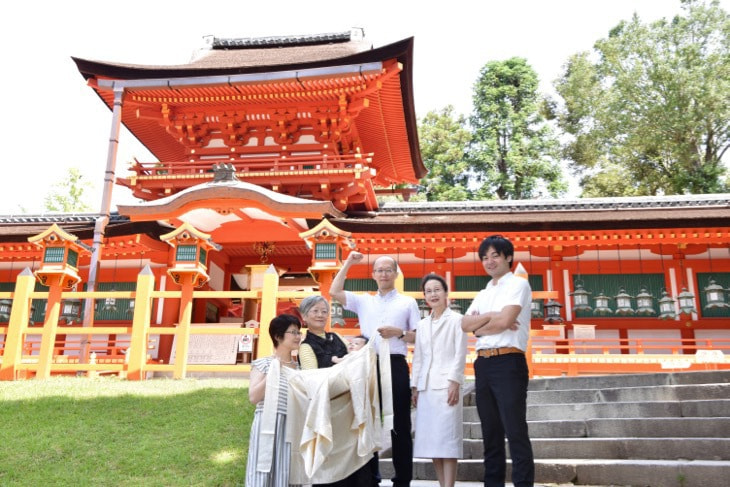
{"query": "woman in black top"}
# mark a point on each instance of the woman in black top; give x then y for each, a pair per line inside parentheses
(319, 346)
(316, 352)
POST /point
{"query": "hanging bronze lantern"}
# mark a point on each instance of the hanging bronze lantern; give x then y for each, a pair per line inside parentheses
(645, 303)
(71, 310)
(552, 311)
(667, 311)
(714, 295)
(337, 314)
(686, 302)
(666, 307)
(580, 298)
(602, 308)
(110, 304)
(644, 300)
(5, 307)
(423, 308)
(536, 309)
(623, 303)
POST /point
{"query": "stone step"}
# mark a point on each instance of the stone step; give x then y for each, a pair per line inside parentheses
(648, 409)
(556, 411)
(620, 448)
(660, 429)
(629, 380)
(718, 427)
(621, 394)
(711, 427)
(629, 394)
(653, 473)
(634, 409)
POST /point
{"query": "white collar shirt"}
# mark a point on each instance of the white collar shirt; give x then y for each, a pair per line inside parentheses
(391, 309)
(509, 290)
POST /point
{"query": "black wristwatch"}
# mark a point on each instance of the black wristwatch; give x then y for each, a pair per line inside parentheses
(402, 335)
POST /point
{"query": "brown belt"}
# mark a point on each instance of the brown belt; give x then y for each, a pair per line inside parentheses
(493, 352)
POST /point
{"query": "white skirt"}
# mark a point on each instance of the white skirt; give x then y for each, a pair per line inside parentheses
(439, 427)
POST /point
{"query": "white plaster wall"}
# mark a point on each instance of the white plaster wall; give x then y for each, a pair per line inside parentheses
(667, 339)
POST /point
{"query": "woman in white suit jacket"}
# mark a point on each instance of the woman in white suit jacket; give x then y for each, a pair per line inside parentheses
(437, 376)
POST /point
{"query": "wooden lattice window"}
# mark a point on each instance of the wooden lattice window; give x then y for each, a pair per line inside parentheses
(53, 255)
(73, 258)
(186, 253)
(325, 251)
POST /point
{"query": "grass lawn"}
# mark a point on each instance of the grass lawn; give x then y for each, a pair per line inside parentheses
(111, 432)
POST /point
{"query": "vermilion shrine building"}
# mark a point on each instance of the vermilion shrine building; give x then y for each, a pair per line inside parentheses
(277, 149)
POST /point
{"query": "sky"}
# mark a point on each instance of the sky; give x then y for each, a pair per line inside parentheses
(51, 121)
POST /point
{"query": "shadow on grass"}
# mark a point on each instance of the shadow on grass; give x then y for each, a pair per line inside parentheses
(195, 438)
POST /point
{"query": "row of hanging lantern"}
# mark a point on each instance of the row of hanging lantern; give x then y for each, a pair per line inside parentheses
(550, 310)
(714, 297)
(70, 311)
(70, 308)
(644, 303)
(714, 293)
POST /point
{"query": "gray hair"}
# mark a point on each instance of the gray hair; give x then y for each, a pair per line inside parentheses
(308, 302)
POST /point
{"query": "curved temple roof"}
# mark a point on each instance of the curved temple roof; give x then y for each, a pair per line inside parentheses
(306, 72)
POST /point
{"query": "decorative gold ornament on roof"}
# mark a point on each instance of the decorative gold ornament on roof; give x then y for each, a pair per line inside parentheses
(264, 250)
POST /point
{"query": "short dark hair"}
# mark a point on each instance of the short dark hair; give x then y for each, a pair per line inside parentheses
(363, 337)
(279, 325)
(500, 245)
(434, 277)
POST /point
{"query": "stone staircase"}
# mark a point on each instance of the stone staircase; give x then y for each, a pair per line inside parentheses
(666, 429)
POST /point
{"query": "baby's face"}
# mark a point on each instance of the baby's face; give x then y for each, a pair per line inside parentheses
(355, 344)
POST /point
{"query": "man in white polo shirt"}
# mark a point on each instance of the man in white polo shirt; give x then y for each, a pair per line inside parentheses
(500, 317)
(387, 315)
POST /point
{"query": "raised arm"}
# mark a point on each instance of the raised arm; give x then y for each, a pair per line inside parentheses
(337, 289)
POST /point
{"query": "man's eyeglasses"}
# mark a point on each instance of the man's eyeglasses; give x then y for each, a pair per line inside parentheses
(293, 332)
(383, 271)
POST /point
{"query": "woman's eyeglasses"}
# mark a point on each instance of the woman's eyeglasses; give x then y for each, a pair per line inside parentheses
(433, 291)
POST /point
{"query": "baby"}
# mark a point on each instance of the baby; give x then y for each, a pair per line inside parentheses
(353, 345)
(356, 343)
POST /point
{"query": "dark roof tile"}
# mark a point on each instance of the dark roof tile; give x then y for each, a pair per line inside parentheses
(721, 200)
(279, 41)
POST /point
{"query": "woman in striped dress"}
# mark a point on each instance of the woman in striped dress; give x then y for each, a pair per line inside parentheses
(269, 454)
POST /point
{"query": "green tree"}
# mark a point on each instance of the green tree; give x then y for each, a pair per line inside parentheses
(612, 180)
(651, 104)
(444, 139)
(514, 153)
(67, 196)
